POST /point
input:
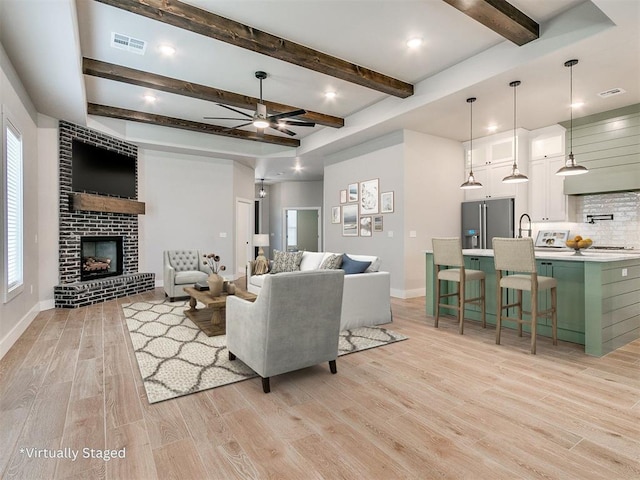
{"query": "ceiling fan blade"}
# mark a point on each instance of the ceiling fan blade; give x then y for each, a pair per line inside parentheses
(295, 123)
(238, 126)
(234, 110)
(223, 118)
(293, 113)
(280, 128)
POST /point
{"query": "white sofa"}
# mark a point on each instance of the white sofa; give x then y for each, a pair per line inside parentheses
(366, 298)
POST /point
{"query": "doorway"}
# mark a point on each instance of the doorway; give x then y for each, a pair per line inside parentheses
(244, 228)
(302, 230)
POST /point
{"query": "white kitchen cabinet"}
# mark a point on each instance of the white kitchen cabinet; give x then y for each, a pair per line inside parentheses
(490, 176)
(547, 142)
(547, 201)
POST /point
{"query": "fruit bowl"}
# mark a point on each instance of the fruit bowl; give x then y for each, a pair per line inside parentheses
(578, 243)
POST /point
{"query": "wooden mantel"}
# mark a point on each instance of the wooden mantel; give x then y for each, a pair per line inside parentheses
(98, 203)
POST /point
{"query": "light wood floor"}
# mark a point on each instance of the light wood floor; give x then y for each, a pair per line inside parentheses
(438, 405)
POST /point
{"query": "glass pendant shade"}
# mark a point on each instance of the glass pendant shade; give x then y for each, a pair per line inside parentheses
(570, 165)
(515, 176)
(262, 192)
(471, 182)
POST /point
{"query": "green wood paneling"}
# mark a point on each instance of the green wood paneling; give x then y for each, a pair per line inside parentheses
(608, 144)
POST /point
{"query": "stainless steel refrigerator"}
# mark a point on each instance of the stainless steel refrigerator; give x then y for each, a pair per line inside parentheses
(485, 219)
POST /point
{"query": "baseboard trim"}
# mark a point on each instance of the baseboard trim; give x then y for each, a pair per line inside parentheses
(12, 337)
(416, 292)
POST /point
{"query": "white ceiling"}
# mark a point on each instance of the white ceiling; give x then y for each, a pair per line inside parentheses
(459, 58)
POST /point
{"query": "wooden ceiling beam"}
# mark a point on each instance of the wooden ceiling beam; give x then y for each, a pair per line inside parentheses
(161, 120)
(131, 76)
(501, 17)
(182, 15)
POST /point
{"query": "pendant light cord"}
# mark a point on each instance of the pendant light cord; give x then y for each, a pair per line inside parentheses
(471, 137)
(571, 110)
(515, 148)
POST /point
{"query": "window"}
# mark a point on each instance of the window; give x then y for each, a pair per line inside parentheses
(12, 164)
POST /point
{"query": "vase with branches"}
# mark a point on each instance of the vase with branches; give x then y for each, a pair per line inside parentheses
(215, 281)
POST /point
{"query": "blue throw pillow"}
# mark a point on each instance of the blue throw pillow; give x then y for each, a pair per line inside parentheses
(351, 266)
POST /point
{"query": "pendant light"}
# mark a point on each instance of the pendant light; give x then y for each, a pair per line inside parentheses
(262, 192)
(570, 165)
(471, 181)
(515, 176)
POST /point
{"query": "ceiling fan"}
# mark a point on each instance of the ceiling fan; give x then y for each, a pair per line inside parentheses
(261, 120)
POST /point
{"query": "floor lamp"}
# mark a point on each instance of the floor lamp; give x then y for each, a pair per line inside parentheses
(261, 264)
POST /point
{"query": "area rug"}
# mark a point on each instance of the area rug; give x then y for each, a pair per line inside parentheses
(176, 358)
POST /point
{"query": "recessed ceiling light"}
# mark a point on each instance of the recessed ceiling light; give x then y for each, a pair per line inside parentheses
(297, 167)
(330, 94)
(577, 104)
(492, 128)
(167, 50)
(150, 98)
(414, 42)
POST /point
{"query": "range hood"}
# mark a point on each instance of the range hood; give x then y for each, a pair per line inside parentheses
(608, 144)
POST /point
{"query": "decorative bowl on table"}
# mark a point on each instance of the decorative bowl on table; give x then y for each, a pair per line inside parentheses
(578, 243)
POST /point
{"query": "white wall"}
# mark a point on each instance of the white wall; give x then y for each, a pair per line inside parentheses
(17, 314)
(189, 203)
(433, 169)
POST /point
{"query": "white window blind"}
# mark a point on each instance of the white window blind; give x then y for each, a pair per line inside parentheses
(13, 211)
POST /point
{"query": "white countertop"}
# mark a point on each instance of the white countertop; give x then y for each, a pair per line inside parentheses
(565, 255)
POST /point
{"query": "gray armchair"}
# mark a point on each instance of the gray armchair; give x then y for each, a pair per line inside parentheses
(294, 323)
(183, 268)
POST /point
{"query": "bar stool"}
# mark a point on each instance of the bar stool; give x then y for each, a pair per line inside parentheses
(447, 252)
(516, 255)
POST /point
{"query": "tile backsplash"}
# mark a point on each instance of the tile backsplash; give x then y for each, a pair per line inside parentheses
(622, 231)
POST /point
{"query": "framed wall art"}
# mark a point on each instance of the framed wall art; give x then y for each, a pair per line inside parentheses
(365, 226)
(352, 192)
(343, 196)
(377, 223)
(369, 196)
(335, 214)
(350, 220)
(386, 202)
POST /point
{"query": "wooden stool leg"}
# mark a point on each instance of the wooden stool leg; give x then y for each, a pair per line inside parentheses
(498, 313)
(484, 303)
(519, 308)
(461, 305)
(435, 323)
(534, 318)
(554, 315)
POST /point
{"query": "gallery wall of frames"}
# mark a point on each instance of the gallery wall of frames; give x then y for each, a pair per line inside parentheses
(362, 208)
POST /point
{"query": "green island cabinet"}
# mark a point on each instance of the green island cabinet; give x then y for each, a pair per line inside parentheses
(598, 296)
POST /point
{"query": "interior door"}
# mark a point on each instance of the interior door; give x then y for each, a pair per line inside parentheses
(244, 227)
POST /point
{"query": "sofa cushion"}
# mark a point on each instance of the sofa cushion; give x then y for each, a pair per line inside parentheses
(286, 261)
(351, 266)
(193, 276)
(375, 261)
(311, 260)
(332, 262)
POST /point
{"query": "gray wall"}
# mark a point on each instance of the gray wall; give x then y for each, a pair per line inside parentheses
(290, 195)
(424, 173)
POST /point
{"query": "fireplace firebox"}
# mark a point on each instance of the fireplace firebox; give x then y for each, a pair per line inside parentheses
(100, 257)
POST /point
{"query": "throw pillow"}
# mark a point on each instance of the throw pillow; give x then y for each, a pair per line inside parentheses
(332, 262)
(286, 261)
(351, 266)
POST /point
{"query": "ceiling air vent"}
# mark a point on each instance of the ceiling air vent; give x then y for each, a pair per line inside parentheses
(125, 42)
(611, 92)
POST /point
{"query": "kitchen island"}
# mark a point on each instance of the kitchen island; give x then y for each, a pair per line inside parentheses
(598, 295)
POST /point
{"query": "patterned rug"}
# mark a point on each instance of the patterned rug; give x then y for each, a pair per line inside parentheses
(176, 358)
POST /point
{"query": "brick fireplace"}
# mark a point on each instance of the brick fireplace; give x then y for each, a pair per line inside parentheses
(76, 290)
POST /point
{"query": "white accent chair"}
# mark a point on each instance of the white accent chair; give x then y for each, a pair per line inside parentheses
(294, 323)
(447, 252)
(183, 268)
(517, 255)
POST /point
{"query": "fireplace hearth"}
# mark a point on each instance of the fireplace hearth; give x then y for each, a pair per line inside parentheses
(101, 257)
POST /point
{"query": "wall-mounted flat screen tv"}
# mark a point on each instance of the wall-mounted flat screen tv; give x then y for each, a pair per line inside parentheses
(98, 170)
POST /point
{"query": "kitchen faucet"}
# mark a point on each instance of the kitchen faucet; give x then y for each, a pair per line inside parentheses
(528, 230)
